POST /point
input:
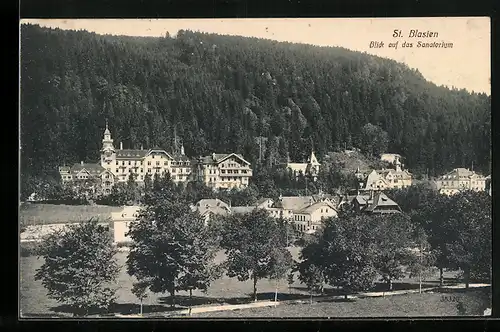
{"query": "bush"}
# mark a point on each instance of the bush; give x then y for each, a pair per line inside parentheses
(28, 249)
(124, 244)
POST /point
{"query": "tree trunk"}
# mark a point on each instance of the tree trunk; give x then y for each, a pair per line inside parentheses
(441, 278)
(311, 298)
(141, 307)
(255, 287)
(190, 300)
(389, 285)
(172, 293)
(276, 295)
(467, 277)
(420, 283)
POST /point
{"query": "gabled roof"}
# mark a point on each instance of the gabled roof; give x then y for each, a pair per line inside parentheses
(262, 201)
(315, 206)
(214, 205)
(460, 173)
(217, 158)
(92, 169)
(237, 155)
(381, 200)
(160, 151)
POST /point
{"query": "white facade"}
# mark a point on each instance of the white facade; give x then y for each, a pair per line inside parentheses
(121, 223)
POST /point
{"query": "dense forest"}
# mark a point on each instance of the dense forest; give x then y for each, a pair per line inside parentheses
(224, 94)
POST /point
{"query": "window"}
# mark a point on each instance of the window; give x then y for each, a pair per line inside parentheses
(153, 156)
(141, 163)
(117, 162)
(129, 163)
(142, 170)
(149, 170)
(149, 163)
(117, 170)
(123, 163)
(165, 163)
(157, 163)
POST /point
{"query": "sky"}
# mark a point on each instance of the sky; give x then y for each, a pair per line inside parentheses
(466, 65)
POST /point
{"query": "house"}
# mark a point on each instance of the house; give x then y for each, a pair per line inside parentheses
(375, 202)
(396, 178)
(310, 168)
(116, 165)
(209, 207)
(121, 223)
(223, 171)
(306, 212)
(309, 219)
(87, 177)
(460, 179)
(264, 203)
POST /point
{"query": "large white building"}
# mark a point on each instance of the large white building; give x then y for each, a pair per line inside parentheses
(396, 178)
(116, 165)
(460, 179)
(310, 168)
(223, 171)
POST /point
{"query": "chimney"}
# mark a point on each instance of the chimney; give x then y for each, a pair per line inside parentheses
(81, 162)
(121, 145)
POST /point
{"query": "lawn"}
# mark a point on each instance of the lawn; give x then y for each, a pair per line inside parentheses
(37, 214)
(34, 300)
(460, 303)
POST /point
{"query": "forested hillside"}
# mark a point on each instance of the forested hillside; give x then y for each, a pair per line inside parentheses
(222, 92)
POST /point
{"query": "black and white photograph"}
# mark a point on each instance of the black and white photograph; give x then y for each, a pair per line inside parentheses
(255, 168)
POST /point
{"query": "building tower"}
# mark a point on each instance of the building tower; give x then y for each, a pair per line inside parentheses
(398, 164)
(108, 150)
(313, 166)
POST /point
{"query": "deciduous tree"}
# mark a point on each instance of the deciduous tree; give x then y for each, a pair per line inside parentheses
(254, 247)
(80, 266)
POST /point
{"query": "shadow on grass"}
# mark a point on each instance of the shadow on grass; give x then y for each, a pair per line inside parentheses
(186, 301)
(483, 290)
(117, 308)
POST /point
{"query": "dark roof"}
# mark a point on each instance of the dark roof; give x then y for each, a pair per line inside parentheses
(218, 157)
(380, 200)
(131, 153)
(181, 157)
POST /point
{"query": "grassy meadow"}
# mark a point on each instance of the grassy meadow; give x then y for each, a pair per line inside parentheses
(35, 303)
(40, 214)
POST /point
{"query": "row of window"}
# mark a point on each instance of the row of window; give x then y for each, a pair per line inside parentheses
(149, 170)
(140, 163)
(234, 178)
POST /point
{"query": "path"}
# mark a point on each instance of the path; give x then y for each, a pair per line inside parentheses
(226, 307)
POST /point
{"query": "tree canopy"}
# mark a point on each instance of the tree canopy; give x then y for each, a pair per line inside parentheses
(221, 93)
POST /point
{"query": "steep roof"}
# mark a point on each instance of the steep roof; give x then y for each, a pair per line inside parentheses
(261, 201)
(131, 153)
(294, 203)
(217, 158)
(213, 205)
(381, 200)
(315, 206)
